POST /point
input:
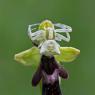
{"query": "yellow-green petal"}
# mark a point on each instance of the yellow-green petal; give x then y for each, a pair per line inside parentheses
(28, 57)
(68, 54)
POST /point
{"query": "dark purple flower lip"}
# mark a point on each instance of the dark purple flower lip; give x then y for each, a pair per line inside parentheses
(50, 79)
(49, 71)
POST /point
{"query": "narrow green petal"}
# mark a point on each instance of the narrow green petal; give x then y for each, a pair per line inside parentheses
(68, 54)
(29, 57)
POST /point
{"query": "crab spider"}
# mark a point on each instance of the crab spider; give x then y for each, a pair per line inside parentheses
(46, 31)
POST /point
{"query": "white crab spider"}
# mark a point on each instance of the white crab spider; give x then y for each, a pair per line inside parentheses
(47, 34)
(41, 34)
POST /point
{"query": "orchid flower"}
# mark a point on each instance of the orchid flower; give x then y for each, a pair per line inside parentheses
(44, 39)
(47, 54)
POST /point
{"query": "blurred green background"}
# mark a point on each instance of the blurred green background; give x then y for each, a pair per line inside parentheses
(16, 15)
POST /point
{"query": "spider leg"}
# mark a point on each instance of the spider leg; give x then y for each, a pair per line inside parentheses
(38, 36)
(64, 28)
(30, 28)
(60, 37)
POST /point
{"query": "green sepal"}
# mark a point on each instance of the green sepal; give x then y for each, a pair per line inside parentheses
(68, 54)
(29, 57)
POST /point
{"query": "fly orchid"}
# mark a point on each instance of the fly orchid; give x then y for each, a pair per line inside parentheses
(47, 54)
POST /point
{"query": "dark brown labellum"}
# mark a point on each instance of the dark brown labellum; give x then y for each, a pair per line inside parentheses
(49, 71)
